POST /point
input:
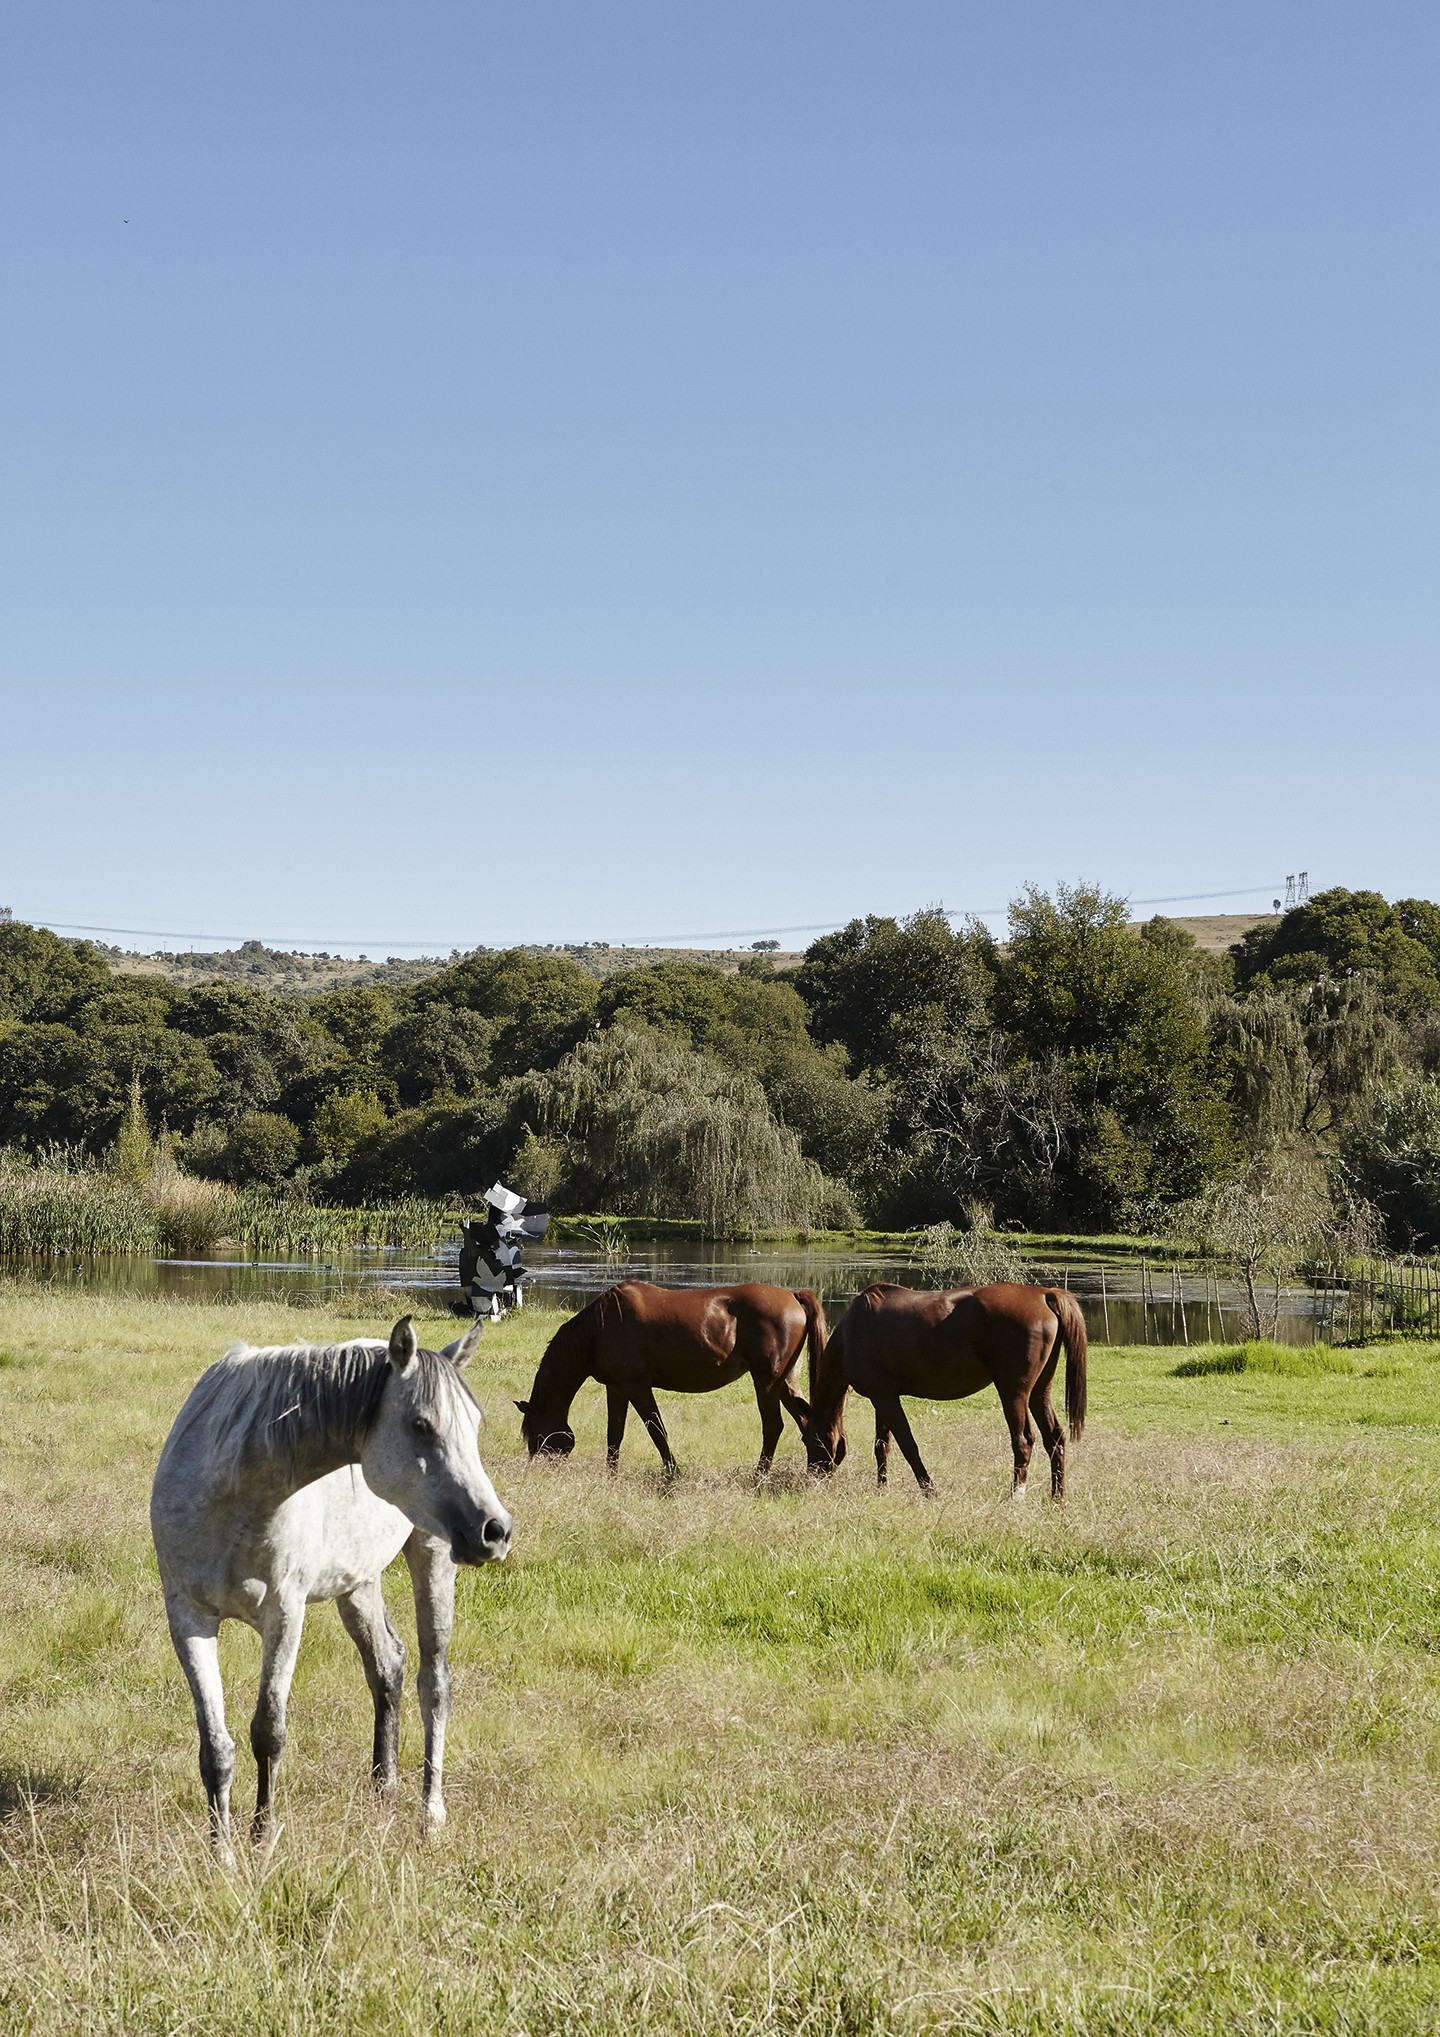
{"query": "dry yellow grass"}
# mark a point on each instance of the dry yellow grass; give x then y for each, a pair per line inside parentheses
(807, 1759)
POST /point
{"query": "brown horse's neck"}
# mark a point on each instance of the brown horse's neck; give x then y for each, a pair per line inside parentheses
(565, 1366)
(827, 1400)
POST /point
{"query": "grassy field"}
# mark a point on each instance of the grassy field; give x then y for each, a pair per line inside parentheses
(811, 1759)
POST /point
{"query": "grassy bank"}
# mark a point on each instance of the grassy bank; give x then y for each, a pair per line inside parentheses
(805, 1760)
(1031, 1245)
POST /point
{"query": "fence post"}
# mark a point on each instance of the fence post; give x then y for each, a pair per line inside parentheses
(1105, 1304)
(1180, 1293)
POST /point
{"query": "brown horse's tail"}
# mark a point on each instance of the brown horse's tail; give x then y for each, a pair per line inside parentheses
(816, 1332)
(1070, 1316)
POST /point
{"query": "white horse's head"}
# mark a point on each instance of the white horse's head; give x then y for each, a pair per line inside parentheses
(422, 1453)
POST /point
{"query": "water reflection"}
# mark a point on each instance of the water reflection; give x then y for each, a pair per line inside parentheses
(1125, 1301)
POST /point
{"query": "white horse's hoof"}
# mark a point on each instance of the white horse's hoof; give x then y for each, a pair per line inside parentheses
(432, 1821)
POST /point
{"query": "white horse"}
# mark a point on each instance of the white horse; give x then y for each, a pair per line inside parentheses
(298, 1473)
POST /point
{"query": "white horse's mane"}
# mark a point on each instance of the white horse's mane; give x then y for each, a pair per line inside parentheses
(263, 1401)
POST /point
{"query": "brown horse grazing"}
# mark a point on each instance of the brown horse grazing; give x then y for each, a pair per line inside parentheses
(945, 1345)
(637, 1336)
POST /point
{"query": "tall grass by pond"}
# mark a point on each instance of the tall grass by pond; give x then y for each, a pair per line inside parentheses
(64, 1209)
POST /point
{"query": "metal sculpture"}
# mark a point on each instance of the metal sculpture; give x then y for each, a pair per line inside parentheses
(492, 1261)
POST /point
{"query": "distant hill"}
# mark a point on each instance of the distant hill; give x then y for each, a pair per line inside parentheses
(1217, 931)
(271, 968)
(289, 970)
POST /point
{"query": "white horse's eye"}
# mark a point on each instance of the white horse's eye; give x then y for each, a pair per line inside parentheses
(423, 1428)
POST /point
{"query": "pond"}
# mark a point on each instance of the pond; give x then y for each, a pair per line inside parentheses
(1125, 1300)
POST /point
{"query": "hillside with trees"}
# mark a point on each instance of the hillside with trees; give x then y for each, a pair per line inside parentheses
(1081, 1074)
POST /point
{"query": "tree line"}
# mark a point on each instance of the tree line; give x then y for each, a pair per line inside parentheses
(1080, 1074)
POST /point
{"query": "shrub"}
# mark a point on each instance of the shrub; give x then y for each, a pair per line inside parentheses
(970, 1255)
(1282, 1361)
(262, 1147)
(344, 1121)
(190, 1215)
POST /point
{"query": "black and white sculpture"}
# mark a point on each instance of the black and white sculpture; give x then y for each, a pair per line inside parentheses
(492, 1264)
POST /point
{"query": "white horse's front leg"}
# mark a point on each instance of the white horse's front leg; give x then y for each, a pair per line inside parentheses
(432, 1572)
(284, 1622)
(195, 1635)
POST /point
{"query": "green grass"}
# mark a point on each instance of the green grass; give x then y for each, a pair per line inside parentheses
(807, 1759)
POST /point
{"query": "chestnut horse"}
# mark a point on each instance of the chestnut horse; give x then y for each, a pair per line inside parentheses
(947, 1344)
(637, 1336)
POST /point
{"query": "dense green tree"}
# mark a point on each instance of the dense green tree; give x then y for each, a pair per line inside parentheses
(1115, 1113)
(1354, 1047)
(1263, 1059)
(540, 1004)
(42, 977)
(357, 1016)
(128, 1024)
(841, 1122)
(758, 1023)
(436, 1149)
(876, 985)
(57, 1087)
(1420, 922)
(1208, 976)
(743, 1019)
(304, 1093)
(343, 1123)
(262, 1147)
(260, 1042)
(439, 1049)
(1340, 934)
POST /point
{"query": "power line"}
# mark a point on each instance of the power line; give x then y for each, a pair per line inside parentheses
(950, 912)
(310, 943)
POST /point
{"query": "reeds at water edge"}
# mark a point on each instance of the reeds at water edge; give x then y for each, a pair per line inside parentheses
(64, 1207)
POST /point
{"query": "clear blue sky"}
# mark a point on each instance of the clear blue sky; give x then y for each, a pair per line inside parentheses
(574, 471)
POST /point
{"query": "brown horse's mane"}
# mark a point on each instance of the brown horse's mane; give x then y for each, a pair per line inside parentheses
(565, 1362)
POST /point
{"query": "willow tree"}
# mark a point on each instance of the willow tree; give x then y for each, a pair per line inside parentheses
(654, 1129)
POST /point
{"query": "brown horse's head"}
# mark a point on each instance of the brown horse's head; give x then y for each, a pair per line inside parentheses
(826, 1449)
(825, 1431)
(545, 1417)
(545, 1435)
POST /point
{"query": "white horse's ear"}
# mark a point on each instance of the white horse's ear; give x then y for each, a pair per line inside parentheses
(403, 1345)
(464, 1348)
